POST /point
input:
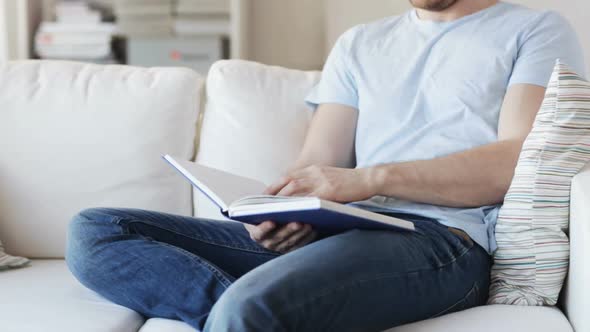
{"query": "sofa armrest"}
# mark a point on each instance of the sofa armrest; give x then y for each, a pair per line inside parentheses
(577, 292)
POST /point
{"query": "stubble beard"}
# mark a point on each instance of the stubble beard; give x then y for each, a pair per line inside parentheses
(433, 5)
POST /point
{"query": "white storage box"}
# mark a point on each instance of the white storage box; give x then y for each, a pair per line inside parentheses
(197, 53)
(192, 7)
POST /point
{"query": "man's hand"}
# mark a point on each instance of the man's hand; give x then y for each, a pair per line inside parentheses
(330, 183)
(342, 185)
(329, 141)
(282, 239)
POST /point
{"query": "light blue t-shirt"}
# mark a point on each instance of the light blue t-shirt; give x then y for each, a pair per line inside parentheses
(427, 89)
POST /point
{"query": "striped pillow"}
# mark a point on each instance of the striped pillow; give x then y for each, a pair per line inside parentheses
(532, 259)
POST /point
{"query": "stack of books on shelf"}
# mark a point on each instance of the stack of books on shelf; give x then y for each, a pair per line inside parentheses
(202, 17)
(144, 18)
(76, 12)
(77, 34)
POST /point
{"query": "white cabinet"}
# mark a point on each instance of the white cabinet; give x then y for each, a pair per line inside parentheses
(17, 26)
(240, 28)
(239, 23)
(3, 33)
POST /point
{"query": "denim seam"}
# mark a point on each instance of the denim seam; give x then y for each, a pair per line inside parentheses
(225, 282)
(362, 281)
(218, 275)
(231, 245)
(473, 290)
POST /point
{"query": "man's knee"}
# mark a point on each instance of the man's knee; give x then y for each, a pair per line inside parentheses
(244, 307)
(86, 224)
(85, 231)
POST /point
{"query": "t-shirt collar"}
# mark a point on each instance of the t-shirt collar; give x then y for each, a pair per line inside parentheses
(414, 18)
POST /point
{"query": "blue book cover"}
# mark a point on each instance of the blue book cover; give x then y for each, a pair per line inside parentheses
(320, 219)
(239, 199)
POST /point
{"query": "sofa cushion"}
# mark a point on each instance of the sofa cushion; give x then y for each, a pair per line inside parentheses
(495, 318)
(46, 297)
(165, 325)
(255, 122)
(74, 136)
(498, 318)
(531, 262)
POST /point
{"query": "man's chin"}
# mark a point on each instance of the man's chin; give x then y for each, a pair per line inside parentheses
(433, 5)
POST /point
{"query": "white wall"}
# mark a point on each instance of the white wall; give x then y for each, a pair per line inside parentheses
(288, 33)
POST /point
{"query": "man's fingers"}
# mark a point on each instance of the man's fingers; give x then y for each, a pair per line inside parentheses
(309, 238)
(294, 240)
(262, 231)
(284, 239)
(277, 187)
(288, 185)
(294, 188)
(288, 190)
(282, 234)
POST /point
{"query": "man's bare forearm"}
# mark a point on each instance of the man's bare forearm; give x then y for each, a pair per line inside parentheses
(473, 178)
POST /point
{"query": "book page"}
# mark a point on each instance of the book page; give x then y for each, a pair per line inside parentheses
(221, 187)
(267, 199)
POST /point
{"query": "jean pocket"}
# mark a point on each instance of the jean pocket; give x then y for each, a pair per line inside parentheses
(462, 236)
(470, 300)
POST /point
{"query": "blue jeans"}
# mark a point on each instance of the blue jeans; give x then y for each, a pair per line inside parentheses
(211, 275)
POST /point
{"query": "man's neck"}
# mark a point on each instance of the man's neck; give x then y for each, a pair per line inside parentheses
(458, 10)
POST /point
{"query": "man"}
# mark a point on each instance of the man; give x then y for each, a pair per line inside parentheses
(431, 108)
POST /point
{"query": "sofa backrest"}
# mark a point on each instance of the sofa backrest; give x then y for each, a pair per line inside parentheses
(255, 122)
(74, 136)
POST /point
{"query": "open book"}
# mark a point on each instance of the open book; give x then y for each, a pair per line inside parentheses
(240, 199)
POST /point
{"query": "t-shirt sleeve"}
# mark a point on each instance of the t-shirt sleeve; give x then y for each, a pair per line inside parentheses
(550, 38)
(337, 85)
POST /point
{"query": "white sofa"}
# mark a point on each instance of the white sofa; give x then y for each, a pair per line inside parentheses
(74, 136)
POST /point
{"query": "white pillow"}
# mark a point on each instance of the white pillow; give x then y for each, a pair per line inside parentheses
(255, 122)
(74, 136)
